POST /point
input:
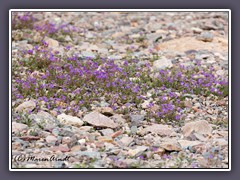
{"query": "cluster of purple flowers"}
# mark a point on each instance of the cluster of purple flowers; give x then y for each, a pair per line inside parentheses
(70, 83)
(79, 83)
(25, 20)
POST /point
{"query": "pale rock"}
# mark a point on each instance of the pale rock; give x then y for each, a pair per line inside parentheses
(51, 42)
(68, 38)
(76, 148)
(67, 140)
(205, 37)
(223, 133)
(162, 64)
(185, 143)
(160, 151)
(105, 139)
(97, 119)
(137, 151)
(36, 74)
(220, 72)
(26, 106)
(16, 145)
(54, 113)
(188, 104)
(118, 119)
(134, 36)
(39, 145)
(61, 147)
(202, 162)
(70, 120)
(196, 30)
(82, 141)
(107, 132)
(117, 34)
(51, 139)
(115, 57)
(86, 128)
(107, 111)
(200, 137)
(89, 154)
(137, 120)
(108, 146)
(171, 146)
(156, 157)
(19, 127)
(92, 47)
(162, 130)
(145, 104)
(126, 141)
(44, 119)
(87, 54)
(201, 127)
(220, 142)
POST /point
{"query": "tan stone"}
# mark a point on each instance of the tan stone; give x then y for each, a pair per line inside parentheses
(26, 106)
(160, 151)
(18, 127)
(201, 127)
(70, 120)
(126, 140)
(105, 110)
(183, 44)
(171, 146)
(51, 42)
(105, 139)
(163, 130)
(97, 119)
(76, 148)
(186, 143)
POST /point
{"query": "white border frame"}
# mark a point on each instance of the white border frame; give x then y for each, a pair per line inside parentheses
(120, 10)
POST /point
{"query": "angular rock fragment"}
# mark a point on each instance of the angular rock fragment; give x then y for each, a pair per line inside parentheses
(162, 130)
(26, 106)
(70, 120)
(201, 127)
(99, 120)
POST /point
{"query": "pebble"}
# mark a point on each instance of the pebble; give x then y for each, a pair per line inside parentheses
(136, 120)
(44, 119)
(96, 119)
(89, 154)
(162, 64)
(205, 37)
(201, 127)
(61, 148)
(26, 106)
(137, 151)
(126, 141)
(19, 127)
(51, 139)
(86, 54)
(185, 143)
(82, 141)
(171, 146)
(70, 120)
(163, 130)
(220, 142)
(52, 43)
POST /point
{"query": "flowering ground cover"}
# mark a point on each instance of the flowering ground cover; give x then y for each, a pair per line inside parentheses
(146, 102)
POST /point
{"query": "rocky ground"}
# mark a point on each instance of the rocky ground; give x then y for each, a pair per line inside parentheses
(107, 131)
